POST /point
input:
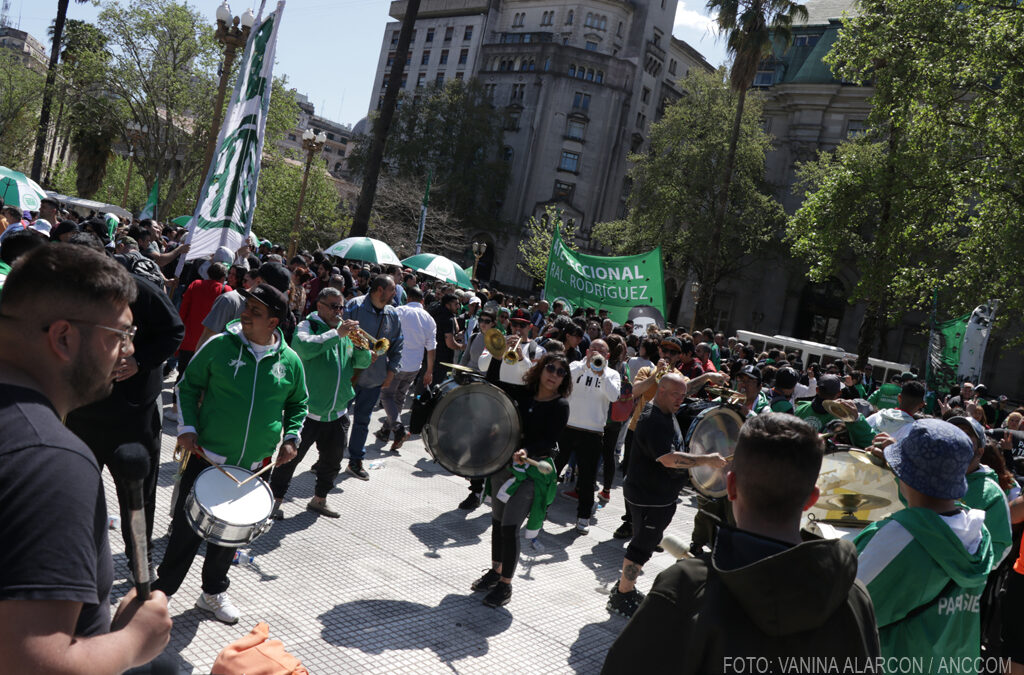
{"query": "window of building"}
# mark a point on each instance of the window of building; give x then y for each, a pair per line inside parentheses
(291, 137)
(391, 59)
(489, 91)
(589, 21)
(439, 80)
(394, 38)
(590, 75)
(764, 78)
(599, 78)
(512, 120)
(581, 101)
(518, 94)
(425, 58)
(448, 32)
(337, 167)
(657, 38)
(563, 190)
(517, 20)
(805, 40)
(855, 128)
(405, 79)
(672, 66)
(327, 149)
(330, 137)
(547, 64)
(572, 70)
(468, 34)
(645, 95)
(575, 129)
(463, 57)
(459, 75)
(641, 119)
(507, 154)
(444, 57)
(549, 18)
(603, 23)
(591, 46)
(569, 17)
(618, 31)
(430, 35)
(570, 161)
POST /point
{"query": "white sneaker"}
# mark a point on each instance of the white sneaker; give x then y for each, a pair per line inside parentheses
(221, 606)
(583, 526)
(535, 546)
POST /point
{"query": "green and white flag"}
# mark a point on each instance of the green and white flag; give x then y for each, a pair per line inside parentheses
(956, 348)
(223, 216)
(616, 283)
(149, 210)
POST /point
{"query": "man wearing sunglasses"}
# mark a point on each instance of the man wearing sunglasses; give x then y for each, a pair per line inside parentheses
(329, 359)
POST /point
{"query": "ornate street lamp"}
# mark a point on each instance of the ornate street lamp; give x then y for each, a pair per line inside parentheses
(232, 32)
(479, 248)
(312, 144)
(695, 293)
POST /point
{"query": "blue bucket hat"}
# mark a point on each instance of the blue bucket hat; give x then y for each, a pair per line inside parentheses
(932, 457)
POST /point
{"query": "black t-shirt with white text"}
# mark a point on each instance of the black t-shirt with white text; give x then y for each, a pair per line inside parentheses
(53, 512)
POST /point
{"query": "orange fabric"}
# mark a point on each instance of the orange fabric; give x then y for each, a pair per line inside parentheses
(1018, 566)
(254, 654)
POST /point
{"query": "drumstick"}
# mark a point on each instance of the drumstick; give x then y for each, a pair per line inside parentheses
(543, 467)
(675, 547)
(219, 467)
(263, 470)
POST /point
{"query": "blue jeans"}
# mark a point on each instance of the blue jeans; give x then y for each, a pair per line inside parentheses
(362, 408)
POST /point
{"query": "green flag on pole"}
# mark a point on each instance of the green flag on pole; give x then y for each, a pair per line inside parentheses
(944, 351)
(149, 210)
(615, 283)
(423, 215)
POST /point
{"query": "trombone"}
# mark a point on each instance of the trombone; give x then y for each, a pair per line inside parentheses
(499, 347)
(363, 340)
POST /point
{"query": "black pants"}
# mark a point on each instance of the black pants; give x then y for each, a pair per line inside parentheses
(611, 436)
(184, 544)
(704, 525)
(627, 449)
(587, 446)
(649, 524)
(103, 436)
(331, 441)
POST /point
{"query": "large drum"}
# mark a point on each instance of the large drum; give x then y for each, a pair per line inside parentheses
(473, 428)
(225, 513)
(715, 429)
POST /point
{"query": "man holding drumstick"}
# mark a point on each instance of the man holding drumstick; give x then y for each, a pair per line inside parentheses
(232, 398)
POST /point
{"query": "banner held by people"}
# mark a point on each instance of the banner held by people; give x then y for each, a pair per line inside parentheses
(615, 283)
(223, 216)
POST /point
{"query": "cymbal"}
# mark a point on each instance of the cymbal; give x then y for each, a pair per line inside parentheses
(856, 502)
(839, 411)
(456, 366)
(866, 457)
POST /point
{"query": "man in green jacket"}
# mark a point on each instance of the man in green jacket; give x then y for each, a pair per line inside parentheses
(814, 413)
(235, 393)
(329, 359)
(926, 566)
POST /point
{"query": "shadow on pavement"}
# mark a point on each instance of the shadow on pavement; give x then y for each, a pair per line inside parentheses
(459, 627)
(594, 637)
(451, 529)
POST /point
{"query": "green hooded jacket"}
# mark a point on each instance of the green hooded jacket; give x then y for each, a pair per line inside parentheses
(329, 361)
(886, 396)
(985, 493)
(236, 404)
(925, 583)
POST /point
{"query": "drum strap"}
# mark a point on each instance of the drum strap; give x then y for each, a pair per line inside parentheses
(677, 439)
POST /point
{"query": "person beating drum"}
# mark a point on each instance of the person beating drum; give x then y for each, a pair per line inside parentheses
(232, 398)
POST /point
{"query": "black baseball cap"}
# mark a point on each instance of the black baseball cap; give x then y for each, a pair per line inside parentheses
(520, 316)
(275, 300)
(829, 384)
(276, 275)
(751, 371)
(786, 378)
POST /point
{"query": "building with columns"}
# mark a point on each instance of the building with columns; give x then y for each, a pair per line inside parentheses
(581, 83)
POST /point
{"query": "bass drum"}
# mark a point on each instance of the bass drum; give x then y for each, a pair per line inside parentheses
(473, 428)
(715, 429)
(854, 494)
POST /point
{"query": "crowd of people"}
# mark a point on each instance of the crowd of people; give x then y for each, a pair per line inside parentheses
(272, 355)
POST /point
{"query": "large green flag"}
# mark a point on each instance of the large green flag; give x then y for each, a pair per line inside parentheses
(944, 351)
(149, 210)
(615, 283)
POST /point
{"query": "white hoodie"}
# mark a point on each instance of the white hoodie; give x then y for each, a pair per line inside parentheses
(591, 394)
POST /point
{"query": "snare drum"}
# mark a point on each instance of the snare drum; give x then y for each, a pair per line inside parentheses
(715, 429)
(225, 513)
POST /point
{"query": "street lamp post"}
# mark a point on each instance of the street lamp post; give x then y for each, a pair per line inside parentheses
(695, 293)
(312, 145)
(479, 248)
(232, 32)
(128, 180)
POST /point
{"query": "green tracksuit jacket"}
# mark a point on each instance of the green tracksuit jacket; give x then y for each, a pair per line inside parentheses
(329, 361)
(859, 430)
(236, 404)
(886, 396)
(985, 493)
(925, 584)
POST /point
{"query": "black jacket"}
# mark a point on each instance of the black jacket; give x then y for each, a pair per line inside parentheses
(754, 597)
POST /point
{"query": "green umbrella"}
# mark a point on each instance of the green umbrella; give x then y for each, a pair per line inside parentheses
(365, 249)
(181, 221)
(439, 267)
(16, 189)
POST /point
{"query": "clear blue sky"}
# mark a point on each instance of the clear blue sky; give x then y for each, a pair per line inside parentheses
(329, 48)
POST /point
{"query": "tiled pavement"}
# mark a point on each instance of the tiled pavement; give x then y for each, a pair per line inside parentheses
(385, 588)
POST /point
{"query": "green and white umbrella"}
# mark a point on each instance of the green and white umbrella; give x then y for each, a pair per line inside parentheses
(365, 249)
(439, 267)
(181, 221)
(18, 190)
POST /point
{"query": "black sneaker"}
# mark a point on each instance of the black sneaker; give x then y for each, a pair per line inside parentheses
(486, 582)
(624, 531)
(499, 596)
(357, 470)
(624, 604)
(470, 502)
(278, 514)
(382, 434)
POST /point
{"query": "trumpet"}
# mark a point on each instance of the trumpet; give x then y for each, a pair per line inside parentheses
(501, 348)
(597, 362)
(660, 372)
(513, 355)
(731, 396)
(363, 340)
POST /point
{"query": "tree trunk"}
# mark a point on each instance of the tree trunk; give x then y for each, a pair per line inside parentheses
(869, 329)
(51, 76)
(361, 219)
(704, 307)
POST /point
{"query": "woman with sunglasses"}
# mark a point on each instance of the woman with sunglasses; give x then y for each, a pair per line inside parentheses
(471, 354)
(520, 490)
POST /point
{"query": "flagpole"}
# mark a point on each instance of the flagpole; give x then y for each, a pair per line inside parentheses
(423, 215)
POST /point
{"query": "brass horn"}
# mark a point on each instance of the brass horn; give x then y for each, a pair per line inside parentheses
(499, 347)
(731, 396)
(364, 340)
(839, 411)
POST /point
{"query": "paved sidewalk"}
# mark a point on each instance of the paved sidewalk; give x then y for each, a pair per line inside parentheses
(385, 588)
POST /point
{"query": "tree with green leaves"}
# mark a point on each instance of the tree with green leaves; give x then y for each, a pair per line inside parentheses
(948, 80)
(751, 27)
(535, 245)
(675, 194)
(20, 99)
(455, 132)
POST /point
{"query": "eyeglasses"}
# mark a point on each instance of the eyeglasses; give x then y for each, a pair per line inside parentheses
(670, 351)
(486, 321)
(335, 306)
(555, 370)
(127, 334)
